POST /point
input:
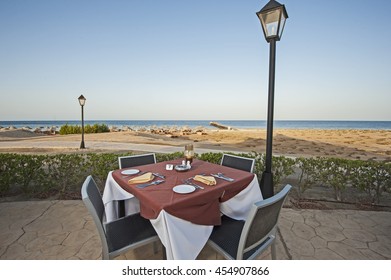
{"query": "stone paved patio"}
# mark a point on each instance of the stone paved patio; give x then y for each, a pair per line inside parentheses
(43, 230)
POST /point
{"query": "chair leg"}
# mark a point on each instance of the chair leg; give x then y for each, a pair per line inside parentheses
(273, 249)
(164, 252)
(121, 208)
(155, 248)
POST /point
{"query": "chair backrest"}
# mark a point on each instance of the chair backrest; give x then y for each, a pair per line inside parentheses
(242, 163)
(130, 161)
(94, 204)
(261, 223)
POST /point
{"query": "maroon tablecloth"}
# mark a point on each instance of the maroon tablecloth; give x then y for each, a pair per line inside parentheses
(200, 206)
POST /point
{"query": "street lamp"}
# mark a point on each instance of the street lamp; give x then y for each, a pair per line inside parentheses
(272, 17)
(82, 101)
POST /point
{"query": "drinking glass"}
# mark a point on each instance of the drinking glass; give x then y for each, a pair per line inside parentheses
(189, 153)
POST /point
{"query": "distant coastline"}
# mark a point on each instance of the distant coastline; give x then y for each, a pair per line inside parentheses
(239, 124)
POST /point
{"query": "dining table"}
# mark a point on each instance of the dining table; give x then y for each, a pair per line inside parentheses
(182, 214)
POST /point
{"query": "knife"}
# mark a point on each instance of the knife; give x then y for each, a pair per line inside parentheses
(223, 177)
(158, 175)
(141, 186)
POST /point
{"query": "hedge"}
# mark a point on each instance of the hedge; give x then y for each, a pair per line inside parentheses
(41, 176)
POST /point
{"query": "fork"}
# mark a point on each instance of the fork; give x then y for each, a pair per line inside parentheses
(141, 186)
(221, 176)
(192, 184)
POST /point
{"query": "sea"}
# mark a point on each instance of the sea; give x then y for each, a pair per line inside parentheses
(240, 124)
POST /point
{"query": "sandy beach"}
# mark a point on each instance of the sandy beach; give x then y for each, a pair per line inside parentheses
(349, 144)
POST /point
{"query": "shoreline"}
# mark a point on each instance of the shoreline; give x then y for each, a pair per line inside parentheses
(235, 124)
(348, 143)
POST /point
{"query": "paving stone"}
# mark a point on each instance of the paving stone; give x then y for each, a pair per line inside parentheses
(15, 252)
(326, 254)
(312, 222)
(78, 237)
(306, 214)
(37, 230)
(10, 236)
(318, 242)
(293, 216)
(364, 221)
(45, 241)
(355, 244)
(359, 235)
(45, 226)
(349, 223)
(371, 255)
(329, 233)
(60, 252)
(382, 247)
(2, 250)
(27, 237)
(300, 249)
(328, 219)
(345, 251)
(91, 250)
(303, 231)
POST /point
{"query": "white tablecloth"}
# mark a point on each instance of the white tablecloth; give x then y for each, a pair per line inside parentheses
(182, 239)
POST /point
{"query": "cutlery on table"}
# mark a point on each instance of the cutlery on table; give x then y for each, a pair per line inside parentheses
(159, 175)
(222, 176)
(141, 186)
(192, 184)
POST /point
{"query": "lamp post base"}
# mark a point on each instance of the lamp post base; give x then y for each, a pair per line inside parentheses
(267, 186)
(82, 146)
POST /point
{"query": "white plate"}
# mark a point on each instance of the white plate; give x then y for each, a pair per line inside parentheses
(130, 172)
(184, 189)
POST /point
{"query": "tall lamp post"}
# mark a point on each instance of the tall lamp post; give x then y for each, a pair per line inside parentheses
(272, 17)
(82, 101)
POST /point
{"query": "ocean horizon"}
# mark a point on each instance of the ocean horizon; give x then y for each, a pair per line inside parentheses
(278, 124)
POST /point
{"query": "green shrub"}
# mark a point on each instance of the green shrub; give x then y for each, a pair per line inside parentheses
(211, 157)
(373, 178)
(335, 172)
(167, 157)
(308, 173)
(8, 166)
(76, 129)
(63, 174)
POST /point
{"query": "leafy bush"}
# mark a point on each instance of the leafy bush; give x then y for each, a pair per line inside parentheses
(308, 173)
(373, 178)
(211, 157)
(63, 174)
(167, 157)
(8, 165)
(335, 172)
(76, 129)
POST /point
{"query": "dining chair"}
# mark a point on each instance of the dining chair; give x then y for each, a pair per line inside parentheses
(245, 240)
(242, 163)
(130, 161)
(118, 236)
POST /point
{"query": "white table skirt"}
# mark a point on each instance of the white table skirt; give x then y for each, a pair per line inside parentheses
(182, 239)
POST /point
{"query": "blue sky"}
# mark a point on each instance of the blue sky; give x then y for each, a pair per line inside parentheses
(182, 59)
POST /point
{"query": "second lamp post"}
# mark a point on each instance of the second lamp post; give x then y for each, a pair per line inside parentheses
(272, 17)
(82, 101)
